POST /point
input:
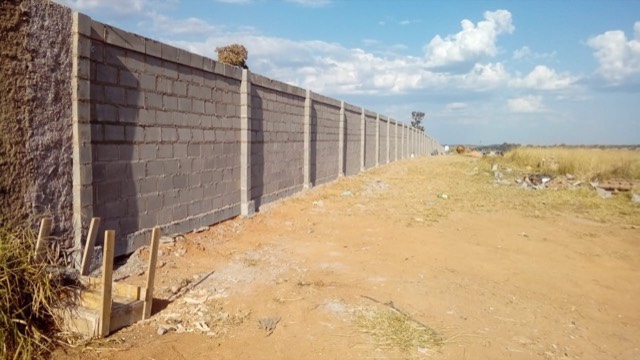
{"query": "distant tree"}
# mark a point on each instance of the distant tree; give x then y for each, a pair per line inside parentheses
(234, 54)
(417, 117)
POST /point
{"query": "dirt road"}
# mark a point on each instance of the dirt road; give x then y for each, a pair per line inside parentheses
(496, 276)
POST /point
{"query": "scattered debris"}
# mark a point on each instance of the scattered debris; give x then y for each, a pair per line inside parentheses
(201, 229)
(269, 324)
(443, 196)
(318, 203)
(347, 193)
(605, 194)
(635, 198)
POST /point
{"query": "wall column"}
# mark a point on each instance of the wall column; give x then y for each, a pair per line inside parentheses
(363, 139)
(247, 205)
(341, 144)
(82, 177)
(377, 140)
(307, 141)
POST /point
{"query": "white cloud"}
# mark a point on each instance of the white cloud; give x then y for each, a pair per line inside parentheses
(526, 104)
(187, 26)
(120, 7)
(521, 53)
(454, 106)
(473, 42)
(544, 78)
(485, 76)
(618, 58)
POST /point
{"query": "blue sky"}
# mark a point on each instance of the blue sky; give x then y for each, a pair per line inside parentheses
(484, 72)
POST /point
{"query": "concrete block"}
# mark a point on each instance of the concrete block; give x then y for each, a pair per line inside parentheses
(134, 134)
(164, 117)
(148, 151)
(128, 115)
(127, 78)
(171, 166)
(193, 150)
(136, 62)
(169, 102)
(135, 98)
(180, 150)
(152, 135)
(136, 169)
(164, 85)
(114, 133)
(165, 151)
(170, 69)
(114, 95)
(180, 181)
(198, 106)
(184, 134)
(147, 117)
(169, 134)
(124, 39)
(96, 92)
(165, 183)
(180, 212)
(105, 112)
(153, 100)
(147, 82)
(185, 104)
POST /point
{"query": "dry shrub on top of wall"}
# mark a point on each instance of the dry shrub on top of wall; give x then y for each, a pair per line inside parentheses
(234, 54)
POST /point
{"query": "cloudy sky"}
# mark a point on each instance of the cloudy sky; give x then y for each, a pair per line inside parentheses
(484, 72)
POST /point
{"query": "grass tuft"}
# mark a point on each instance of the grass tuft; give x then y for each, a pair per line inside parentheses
(394, 330)
(29, 291)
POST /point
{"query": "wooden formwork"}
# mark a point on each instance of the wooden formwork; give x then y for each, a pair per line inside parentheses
(102, 305)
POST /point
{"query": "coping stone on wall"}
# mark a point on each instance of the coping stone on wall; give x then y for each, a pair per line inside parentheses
(319, 98)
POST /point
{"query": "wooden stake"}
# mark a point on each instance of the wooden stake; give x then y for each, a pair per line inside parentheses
(43, 238)
(88, 248)
(107, 278)
(151, 273)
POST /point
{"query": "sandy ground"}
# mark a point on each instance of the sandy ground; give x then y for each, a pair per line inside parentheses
(495, 283)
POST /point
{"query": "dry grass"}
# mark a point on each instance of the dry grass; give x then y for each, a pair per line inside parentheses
(585, 163)
(393, 330)
(29, 291)
(234, 54)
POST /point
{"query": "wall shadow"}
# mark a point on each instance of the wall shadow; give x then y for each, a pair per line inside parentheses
(257, 148)
(313, 147)
(118, 175)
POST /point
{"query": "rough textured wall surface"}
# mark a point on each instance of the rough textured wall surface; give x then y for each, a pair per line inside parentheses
(277, 148)
(392, 142)
(165, 140)
(325, 137)
(382, 150)
(35, 122)
(352, 140)
(370, 141)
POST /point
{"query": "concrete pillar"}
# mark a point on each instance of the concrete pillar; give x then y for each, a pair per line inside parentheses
(377, 139)
(82, 173)
(341, 144)
(247, 205)
(363, 139)
(402, 150)
(388, 137)
(307, 141)
(396, 142)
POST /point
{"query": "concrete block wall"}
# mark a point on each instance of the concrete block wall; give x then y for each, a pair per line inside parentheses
(277, 144)
(169, 138)
(383, 146)
(325, 136)
(370, 140)
(352, 135)
(164, 136)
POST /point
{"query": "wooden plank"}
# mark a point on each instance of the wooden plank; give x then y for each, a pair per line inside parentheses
(88, 248)
(107, 278)
(43, 238)
(118, 288)
(126, 314)
(151, 272)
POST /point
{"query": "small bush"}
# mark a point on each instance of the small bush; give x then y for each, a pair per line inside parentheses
(29, 290)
